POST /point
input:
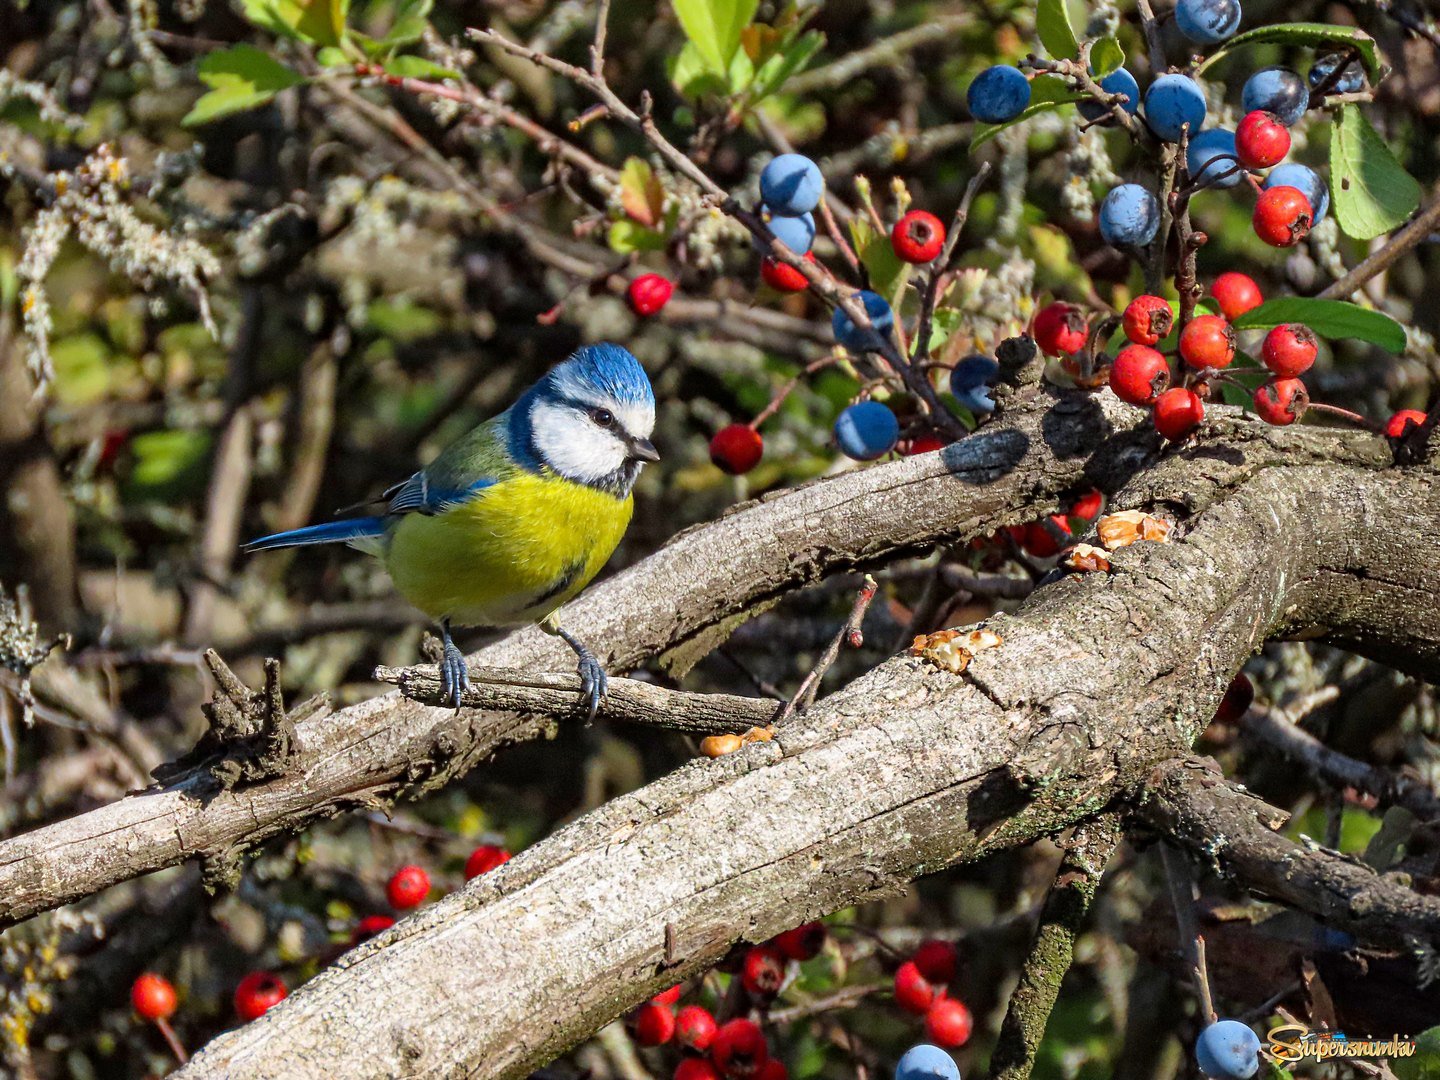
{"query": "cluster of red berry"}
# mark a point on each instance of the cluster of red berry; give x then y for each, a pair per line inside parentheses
(736, 1049)
(922, 987)
(1141, 373)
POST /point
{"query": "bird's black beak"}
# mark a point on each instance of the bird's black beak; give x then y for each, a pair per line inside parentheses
(643, 450)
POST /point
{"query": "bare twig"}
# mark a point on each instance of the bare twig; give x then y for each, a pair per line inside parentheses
(1192, 945)
(1419, 227)
(941, 266)
(629, 700)
(849, 634)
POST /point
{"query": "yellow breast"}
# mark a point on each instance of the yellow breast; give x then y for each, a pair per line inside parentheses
(512, 555)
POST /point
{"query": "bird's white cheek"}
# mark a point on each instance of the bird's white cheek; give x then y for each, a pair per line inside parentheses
(573, 445)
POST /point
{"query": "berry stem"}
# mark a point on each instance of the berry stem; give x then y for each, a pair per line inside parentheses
(785, 391)
(938, 267)
(849, 634)
(176, 1047)
(1345, 414)
(833, 228)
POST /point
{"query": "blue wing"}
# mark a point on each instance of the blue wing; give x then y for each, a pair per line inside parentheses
(420, 494)
(467, 467)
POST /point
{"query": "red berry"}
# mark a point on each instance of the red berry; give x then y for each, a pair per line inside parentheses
(918, 237)
(774, 1069)
(1281, 401)
(153, 997)
(1139, 374)
(257, 994)
(948, 1023)
(408, 887)
(1282, 216)
(1238, 696)
(1060, 329)
(924, 444)
(1403, 422)
(782, 276)
(695, 1069)
(913, 992)
(1178, 411)
(1207, 341)
(764, 971)
(806, 940)
(483, 859)
(737, 449)
(648, 293)
(1290, 349)
(1041, 539)
(1087, 506)
(369, 926)
(695, 1028)
(937, 960)
(652, 1024)
(1236, 294)
(739, 1049)
(1261, 140)
(668, 997)
(1148, 319)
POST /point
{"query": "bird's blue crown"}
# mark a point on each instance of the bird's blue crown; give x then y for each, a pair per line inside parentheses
(602, 370)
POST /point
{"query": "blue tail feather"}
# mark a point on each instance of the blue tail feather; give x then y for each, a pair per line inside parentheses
(330, 532)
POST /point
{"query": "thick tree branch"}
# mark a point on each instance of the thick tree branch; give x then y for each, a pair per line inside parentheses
(1233, 831)
(1053, 948)
(706, 578)
(1100, 680)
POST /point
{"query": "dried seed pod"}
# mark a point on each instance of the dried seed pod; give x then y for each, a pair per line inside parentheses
(720, 745)
(1086, 559)
(1127, 526)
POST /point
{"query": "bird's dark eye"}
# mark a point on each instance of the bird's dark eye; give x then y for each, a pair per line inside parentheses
(604, 417)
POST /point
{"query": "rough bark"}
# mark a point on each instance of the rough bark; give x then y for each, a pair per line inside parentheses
(1233, 831)
(1053, 949)
(1100, 680)
(705, 578)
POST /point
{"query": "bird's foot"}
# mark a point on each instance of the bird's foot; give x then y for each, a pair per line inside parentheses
(594, 683)
(454, 674)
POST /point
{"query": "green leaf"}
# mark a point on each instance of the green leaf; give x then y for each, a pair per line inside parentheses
(886, 271)
(1308, 35)
(1052, 23)
(627, 236)
(692, 76)
(1371, 191)
(411, 19)
(1331, 319)
(1425, 1065)
(240, 78)
(1106, 56)
(417, 67)
(332, 56)
(1046, 92)
(320, 22)
(642, 196)
(713, 27)
(792, 59)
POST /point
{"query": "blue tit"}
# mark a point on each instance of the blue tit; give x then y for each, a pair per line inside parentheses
(516, 517)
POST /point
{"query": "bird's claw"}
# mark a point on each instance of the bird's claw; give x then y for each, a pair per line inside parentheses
(454, 674)
(594, 684)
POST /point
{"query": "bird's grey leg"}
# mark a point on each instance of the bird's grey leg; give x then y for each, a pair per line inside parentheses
(454, 672)
(593, 683)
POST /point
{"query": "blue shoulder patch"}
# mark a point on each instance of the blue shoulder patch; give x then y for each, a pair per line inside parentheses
(417, 494)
